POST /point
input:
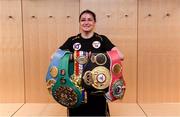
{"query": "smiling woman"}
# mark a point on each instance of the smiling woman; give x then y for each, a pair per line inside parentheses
(91, 42)
(87, 21)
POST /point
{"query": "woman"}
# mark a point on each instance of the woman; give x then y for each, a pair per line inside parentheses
(89, 41)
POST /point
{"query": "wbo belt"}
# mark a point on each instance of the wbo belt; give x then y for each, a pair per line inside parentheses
(117, 84)
(96, 75)
(63, 90)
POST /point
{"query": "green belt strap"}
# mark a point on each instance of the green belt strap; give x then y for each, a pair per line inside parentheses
(64, 91)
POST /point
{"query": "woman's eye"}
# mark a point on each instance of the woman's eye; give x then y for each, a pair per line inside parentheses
(82, 20)
(90, 20)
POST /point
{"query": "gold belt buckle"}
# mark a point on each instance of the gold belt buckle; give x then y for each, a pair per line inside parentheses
(99, 59)
(101, 77)
(54, 71)
(88, 78)
(116, 68)
(82, 59)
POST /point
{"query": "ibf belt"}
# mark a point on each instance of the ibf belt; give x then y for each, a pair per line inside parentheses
(58, 80)
(96, 76)
(80, 59)
(117, 84)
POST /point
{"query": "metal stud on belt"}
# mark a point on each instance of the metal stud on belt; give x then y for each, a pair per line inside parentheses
(82, 59)
(116, 68)
(99, 59)
(88, 80)
(118, 89)
(54, 71)
(49, 84)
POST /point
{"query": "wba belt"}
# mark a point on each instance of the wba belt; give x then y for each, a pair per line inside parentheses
(59, 83)
(96, 75)
(117, 84)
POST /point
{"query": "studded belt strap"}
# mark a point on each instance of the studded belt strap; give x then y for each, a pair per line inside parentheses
(78, 65)
(117, 84)
(80, 59)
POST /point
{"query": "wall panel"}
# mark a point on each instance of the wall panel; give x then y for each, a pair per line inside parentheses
(11, 52)
(47, 24)
(39, 27)
(117, 19)
(159, 51)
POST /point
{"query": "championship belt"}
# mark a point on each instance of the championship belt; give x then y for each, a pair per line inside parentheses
(96, 75)
(80, 59)
(117, 84)
(63, 90)
(52, 73)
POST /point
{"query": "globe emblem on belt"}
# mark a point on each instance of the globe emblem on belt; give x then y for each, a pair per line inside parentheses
(101, 78)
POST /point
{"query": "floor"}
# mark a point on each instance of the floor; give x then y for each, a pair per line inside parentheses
(116, 109)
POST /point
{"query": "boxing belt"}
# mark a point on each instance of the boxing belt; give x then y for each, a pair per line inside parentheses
(80, 59)
(63, 90)
(52, 73)
(96, 75)
(117, 84)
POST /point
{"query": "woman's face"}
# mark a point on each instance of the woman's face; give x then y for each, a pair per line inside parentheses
(87, 22)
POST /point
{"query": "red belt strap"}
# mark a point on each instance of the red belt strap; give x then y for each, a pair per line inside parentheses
(117, 84)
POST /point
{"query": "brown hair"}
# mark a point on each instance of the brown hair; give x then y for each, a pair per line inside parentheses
(88, 11)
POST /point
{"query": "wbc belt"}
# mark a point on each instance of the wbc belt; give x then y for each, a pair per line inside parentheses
(63, 90)
(117, 84)
(52, 73)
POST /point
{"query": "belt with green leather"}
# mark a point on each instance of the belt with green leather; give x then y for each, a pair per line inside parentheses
(63, 90)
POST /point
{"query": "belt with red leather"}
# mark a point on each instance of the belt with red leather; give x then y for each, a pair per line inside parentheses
(117, 84)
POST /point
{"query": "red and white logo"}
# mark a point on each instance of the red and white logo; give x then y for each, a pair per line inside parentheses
(96, 44)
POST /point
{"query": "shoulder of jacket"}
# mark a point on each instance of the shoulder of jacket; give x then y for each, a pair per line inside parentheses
(99, 36)
(75, 37)
(102, 37)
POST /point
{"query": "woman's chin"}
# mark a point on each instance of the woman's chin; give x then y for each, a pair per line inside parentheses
(87, 30)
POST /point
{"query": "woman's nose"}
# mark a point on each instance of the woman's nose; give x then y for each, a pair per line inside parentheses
(86, 22)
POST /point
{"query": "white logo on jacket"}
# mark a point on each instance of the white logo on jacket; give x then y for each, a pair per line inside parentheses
(76, 46)
(96, 44)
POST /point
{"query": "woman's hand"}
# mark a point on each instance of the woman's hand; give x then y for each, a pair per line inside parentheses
(120, 54)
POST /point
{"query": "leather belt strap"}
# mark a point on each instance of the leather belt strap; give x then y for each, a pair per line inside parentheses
(117, 85)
